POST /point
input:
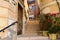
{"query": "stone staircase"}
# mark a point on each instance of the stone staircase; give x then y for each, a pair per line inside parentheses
(32, 27)
(32, 38)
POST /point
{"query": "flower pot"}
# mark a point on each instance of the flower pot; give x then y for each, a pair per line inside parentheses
(53, 36)
(45, 33)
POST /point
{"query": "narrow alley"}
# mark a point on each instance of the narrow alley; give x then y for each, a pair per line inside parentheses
(29, 19)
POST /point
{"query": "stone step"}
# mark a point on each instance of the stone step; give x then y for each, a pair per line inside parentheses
(32, 27)
(32, 38)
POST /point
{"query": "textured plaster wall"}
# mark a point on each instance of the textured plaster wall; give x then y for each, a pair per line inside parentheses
(8, 15)
(48, 6)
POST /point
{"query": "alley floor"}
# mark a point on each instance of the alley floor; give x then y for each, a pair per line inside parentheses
(31, 32)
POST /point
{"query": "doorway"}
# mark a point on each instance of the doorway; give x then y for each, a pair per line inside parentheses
(20, 20)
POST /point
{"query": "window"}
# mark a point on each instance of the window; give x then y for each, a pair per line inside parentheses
(31, 7)
(31, 0)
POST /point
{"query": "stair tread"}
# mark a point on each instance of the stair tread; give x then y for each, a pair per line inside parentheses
(32, 27)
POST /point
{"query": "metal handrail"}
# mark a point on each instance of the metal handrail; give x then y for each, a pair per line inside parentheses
(8, 26)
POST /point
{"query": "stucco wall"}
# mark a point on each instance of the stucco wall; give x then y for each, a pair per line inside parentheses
(8, 15)
(48, 6)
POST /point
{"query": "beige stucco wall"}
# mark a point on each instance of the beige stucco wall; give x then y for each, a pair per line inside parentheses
(8, 14)
(48, 6)
(26, 9)
(51, 9)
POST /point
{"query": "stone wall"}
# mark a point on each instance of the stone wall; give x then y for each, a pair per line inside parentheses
(48, 6)
(8, 15)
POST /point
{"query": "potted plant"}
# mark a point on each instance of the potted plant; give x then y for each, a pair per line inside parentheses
(50, 23)
(43, 24)
(53, 32)
(54, 25)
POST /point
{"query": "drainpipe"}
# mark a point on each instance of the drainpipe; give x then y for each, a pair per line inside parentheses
(58, 5)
